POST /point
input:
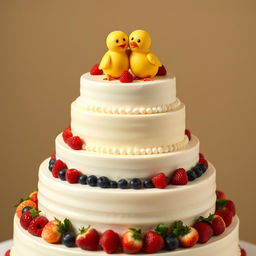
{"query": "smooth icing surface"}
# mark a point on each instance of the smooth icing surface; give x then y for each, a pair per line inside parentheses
(127, 166)
(25, 244)
(98, 92)
(128, 131)
(122, 209)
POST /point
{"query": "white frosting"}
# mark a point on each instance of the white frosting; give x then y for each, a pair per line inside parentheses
(128, 131)
(25, 244)
(128, 166)
(120, 209)
(95, 91)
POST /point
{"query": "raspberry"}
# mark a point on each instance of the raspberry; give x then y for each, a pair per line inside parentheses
(36, 226)
(72, 175)
(126, 77)
(95, 70)
(57, 167)
(67, 133)
(159, 180)
(161, 71)
(179, 177)
(75, 143)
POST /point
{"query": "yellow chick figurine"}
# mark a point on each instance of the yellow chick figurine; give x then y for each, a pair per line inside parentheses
(143, 63)
(116, 60)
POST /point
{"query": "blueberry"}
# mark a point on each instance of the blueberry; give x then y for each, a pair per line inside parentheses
(83, 179)
(197, 171)
(191, 175)
(69, 239)
(62, 174)
(51, 163)
(92, 180)
(202, 167)
(103, 182)
(123, 184)
(25, 209)
(113, 184)
(171, 243)
(135, 183)
(148, 183)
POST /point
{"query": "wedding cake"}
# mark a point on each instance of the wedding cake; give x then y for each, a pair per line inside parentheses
(127, 176)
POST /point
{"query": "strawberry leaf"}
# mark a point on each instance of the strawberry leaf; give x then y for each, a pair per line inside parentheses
(178, 229)
(208, 219)
(136, 233)
(162, 230)
(34, 212)
(220, 204)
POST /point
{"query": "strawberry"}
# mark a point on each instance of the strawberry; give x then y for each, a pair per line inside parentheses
(126, 77)
(23, 204)
(88, 239)
(33, 197)
(188, 236)
(8, 253)
(67, 133)
(179, 177)
(204, 230)
(53, 155)
(37, 225)
(27, 217)
(201, 156)
(72, 175)
(95, 71)
(53, 230)
(226, 215)
(220, 194)
(159, 180)
(218, 225)
(75, 142)
(110, 241)
(153, 242)
(203, 161)
(132, 241)
(57, 167)
(222, 204)
(243, 252)
(161, 71)
(188, 133)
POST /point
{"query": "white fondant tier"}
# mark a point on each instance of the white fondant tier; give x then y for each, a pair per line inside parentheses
(95, 91)
(25, 244)
(130, 133)
(116, 167)
(121, 209)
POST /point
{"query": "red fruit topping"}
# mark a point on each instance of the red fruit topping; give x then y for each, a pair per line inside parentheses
(218, 225)
(126, 77)
(226, 215)
(220, 194)
(231, 206)
(27, 217)
(179, 177)
(8, 253)
(153, 242)
(161, 71)
(95, 71)
(72, 175)
(24, 204)
(188, 133)
(110, 241)
(204, 230)
(88, 239)
(203, 161)
(75, 143)
(201, 156)
(132, 241)
(53, 155)
(243, 252)
(222, 204)
(37, 225)
(159, 180)
(33, 197)
(57, 167)
(67, 133)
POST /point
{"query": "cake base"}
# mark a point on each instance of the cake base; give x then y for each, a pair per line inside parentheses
(28, 245)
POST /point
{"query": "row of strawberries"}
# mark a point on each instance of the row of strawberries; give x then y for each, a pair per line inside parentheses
(132, 241)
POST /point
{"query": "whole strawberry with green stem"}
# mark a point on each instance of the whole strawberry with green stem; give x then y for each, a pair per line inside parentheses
(223, 204)
(132, 241)
(88, 239)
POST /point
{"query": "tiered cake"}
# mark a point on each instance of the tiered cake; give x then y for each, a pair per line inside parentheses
(124, 138)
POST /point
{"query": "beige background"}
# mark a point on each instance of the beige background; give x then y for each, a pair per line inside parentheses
(210, 46)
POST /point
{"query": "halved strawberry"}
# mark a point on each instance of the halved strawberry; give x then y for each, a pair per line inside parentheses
(88, 239)
(153, 242)
(132, 241)
(222, 204)
(179, 177)
(204, 230)
(110, 241)
(75, 142)
(160, 180)
(226, 215)
(23, 204)
(126, 77)
(220, 194)
(95, 71)
(161, 71)
(57, 167)
(67, 133)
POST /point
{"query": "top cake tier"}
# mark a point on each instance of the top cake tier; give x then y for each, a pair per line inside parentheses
(138, 97)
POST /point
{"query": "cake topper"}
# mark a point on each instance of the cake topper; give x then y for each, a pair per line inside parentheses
(116, 60)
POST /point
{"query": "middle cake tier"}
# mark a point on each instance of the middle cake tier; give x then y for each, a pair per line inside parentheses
(129, 134)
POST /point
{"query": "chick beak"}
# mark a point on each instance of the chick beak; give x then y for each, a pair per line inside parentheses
(122, 45)
(133, 44)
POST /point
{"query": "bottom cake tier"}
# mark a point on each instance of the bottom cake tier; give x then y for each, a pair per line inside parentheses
(28, 245)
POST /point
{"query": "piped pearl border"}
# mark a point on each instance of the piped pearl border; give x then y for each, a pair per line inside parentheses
(132, 111)
(137, 151)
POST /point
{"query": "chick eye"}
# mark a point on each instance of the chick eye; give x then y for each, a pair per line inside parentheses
(117, 41)
(132, 38)
(138, 40)
(124, 39)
